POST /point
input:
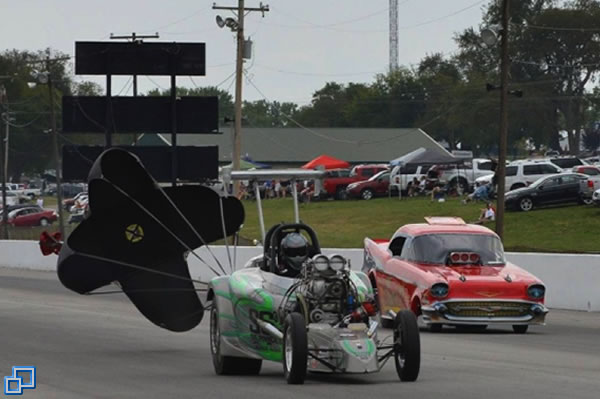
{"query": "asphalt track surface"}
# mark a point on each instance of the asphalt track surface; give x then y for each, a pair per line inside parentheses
(101, 347)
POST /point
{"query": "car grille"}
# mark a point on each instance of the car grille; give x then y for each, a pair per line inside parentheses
(487, 309)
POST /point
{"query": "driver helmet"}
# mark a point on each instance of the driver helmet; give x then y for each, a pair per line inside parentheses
(294, 252)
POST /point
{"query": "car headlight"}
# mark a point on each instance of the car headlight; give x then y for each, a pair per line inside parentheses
(536, 291)
(439, 290)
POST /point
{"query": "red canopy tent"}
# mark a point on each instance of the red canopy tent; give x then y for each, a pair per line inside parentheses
(327, 162)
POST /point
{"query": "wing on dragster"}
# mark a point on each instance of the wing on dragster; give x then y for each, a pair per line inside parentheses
(132, 223)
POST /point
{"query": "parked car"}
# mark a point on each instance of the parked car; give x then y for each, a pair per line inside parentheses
(11, 199)
(452, 273)
(567, 162)
(465, 175)
(554, 189)
(377, 185)
(69, 202)
(400, 178)
(337, 180)
(522, 173)
(32, 216)
(592, 172)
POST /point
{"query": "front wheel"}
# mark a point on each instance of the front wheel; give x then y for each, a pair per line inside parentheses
(341, 194)
(295, 349)
(228, 365)
(366, 194)
(526, 204)
(407, 346)
(520, 328)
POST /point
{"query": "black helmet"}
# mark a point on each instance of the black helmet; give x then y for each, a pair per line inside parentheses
(294, 252)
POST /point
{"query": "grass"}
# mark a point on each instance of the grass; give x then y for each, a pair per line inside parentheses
(344, 224)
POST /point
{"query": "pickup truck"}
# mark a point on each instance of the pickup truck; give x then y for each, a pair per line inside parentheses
(464, 175)
(336, 180)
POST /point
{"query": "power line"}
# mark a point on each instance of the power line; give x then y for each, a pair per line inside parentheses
(557, 28)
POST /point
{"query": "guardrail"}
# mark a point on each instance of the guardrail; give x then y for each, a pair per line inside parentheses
(571, 280)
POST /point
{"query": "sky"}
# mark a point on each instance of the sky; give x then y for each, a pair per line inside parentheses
(298, 45)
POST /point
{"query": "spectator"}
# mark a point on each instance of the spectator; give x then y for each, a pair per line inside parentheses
(413, 187)
(488, 214)
(268, 185)
(481, 193)
(277, 189)
(307, 192)
(40, 202)
(284, 186)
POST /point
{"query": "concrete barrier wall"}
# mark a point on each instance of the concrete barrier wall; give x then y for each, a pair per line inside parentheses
(572, 281)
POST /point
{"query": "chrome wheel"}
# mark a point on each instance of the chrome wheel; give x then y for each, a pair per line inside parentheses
(367, 194)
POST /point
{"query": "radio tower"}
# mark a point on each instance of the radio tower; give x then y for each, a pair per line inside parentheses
(393, 35)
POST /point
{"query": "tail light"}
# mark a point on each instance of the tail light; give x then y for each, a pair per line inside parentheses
(590, 184)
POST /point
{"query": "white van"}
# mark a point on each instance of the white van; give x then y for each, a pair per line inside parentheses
(523, 173)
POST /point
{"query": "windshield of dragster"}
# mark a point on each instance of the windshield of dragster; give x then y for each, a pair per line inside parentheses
(435, 248)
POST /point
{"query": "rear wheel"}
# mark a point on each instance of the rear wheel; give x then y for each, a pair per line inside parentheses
(520, 328)
(366, 194)
(228, 365)
(44, 222)
(295, 349)
(407, 346)
(587, 201)
(341, 194)
(525, 204)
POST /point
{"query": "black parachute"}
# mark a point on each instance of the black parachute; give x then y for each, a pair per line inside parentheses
(137, 234)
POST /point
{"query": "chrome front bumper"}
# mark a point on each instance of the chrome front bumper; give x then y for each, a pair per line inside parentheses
(465, 312)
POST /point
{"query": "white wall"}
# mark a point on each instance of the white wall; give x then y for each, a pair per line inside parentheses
(572, 281)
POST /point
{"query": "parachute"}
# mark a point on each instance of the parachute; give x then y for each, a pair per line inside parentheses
(138, 235)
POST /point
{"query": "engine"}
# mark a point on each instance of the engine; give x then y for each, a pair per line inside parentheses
(325, 293)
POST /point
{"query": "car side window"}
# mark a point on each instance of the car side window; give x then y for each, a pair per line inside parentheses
(409, 169)
(368, 172)
(484, 165)
(344, 173)
(591, 171)
(549, 169)
(396, 246)
(511, 171)
(531, 170)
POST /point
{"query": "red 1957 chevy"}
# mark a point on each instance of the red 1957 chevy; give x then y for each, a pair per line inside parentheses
(452, 273)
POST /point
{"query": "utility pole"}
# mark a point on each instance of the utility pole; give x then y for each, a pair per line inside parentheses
(238, 27)
(4, 221)
(135, 38)
(393, 39)
(502, 144)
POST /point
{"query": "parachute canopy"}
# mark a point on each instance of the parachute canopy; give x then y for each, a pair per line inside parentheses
(138, 234)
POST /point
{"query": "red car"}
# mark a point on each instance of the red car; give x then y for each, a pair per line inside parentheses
(452, 273)
(377, 185)
(32, 216)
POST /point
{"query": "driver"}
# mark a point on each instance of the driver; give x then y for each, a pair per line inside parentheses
(294, 252)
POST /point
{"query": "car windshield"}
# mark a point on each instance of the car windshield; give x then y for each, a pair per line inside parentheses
(378, 175)
(435, 248)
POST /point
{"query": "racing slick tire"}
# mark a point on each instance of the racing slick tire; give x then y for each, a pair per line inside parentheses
(407, 346)
(520, 328)
(295, 349)
(228, 365)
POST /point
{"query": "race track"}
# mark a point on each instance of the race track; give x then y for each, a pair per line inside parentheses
(101, 347)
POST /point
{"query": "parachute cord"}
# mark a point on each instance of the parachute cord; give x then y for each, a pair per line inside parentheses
(146, 269)
(189, 224)
(225, 234)
(161, 224)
